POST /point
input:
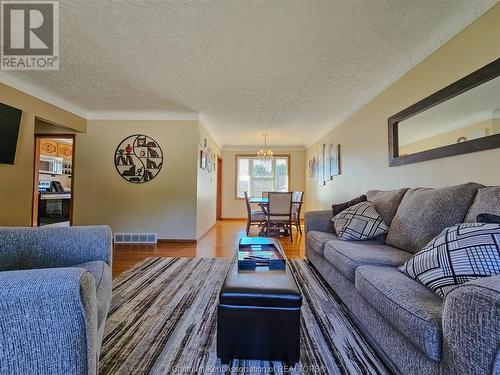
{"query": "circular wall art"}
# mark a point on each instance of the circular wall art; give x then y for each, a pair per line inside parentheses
(138, 158)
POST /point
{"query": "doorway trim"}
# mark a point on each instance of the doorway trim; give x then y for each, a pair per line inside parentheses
(36, 174)
(218, 214)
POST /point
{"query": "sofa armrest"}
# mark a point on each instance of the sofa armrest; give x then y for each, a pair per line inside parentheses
(49, 247)
(471, 328)
(318, 221)
(48, 322)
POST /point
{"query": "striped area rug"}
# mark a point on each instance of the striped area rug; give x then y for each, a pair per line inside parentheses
(163, 321)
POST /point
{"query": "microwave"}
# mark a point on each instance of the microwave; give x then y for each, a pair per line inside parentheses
(51, 164)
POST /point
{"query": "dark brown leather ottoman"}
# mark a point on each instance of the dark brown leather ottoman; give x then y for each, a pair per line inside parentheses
(259, 316)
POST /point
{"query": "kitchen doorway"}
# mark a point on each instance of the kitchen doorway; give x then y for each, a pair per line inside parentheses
(53, 180)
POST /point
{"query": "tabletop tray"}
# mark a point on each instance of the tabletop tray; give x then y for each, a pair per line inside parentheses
(250, 252)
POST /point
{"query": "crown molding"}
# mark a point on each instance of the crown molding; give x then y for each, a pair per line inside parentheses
(28, 88)
(142, 115)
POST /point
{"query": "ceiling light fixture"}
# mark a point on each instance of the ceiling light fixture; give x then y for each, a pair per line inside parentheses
(265, 153)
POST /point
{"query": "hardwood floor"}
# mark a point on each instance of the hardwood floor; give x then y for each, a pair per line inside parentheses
(220, 241)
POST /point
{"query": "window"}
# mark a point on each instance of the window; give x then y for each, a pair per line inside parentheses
(255, 176)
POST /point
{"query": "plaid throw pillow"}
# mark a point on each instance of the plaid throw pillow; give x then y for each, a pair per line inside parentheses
(359, 222)
(460, 253)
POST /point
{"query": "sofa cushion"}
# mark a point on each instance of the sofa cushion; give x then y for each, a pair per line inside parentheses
(459, 254)
(386, 202)
(424, 213)
(412, 309)
(103, 282)
(486, 201)
(346, 256)
(359, 223)
(316, 240)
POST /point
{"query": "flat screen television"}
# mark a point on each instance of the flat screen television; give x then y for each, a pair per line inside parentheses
(10, 119)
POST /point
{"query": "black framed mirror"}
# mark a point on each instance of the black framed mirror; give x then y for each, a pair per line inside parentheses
(460, 118)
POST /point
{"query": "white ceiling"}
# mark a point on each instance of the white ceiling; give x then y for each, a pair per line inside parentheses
(290, 68)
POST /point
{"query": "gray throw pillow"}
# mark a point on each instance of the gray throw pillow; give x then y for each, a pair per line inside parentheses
(459, 254)
(386, 202)
(359, 222)
(486, 201)
(339, 207)
(488, 218)
(424, 213)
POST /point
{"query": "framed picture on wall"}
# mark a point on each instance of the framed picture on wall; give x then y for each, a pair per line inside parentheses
(326, 164)
(209, 158)
(321, 166)
(334, 166)
(315, 166)
(327, 150)
(203, 160)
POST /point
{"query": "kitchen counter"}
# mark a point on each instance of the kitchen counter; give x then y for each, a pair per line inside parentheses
(52, 195)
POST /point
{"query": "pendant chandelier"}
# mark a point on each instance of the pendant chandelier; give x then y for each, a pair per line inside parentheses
(265, 153)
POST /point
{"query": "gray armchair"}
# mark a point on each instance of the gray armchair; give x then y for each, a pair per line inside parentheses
(55, 293)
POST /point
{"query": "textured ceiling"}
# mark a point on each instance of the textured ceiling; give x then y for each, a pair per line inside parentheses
(290, 68)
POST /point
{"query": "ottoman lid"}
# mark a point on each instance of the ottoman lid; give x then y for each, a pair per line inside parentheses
(260, 287)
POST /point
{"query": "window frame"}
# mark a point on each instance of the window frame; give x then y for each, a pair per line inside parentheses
(253, 156)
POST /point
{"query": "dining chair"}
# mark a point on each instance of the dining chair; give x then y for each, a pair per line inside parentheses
(254, 217)
(279, 212)
(264, 194)
(296, 209)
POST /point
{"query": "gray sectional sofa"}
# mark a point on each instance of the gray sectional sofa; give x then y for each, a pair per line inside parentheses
(416, 331)
(55, 293)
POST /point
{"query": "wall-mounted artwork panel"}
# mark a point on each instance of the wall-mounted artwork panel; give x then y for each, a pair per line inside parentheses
(138, 158)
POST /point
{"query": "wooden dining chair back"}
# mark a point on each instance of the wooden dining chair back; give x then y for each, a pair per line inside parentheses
(296, 209)
(264, 194)
(254, 217)
(279, 211)
(297, 196)
(247, 202)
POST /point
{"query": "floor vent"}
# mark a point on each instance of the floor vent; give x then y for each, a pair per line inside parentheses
(136, 238)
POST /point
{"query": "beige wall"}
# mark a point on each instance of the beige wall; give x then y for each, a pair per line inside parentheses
(363, 136)
(16, 186)
(166, 205)
(206, 187)
(42, 127)
(235, 208)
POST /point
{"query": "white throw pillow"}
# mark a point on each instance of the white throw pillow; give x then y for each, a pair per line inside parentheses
(359, 222)
(459, 254)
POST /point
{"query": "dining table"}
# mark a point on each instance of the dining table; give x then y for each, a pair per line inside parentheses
(264, 201)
